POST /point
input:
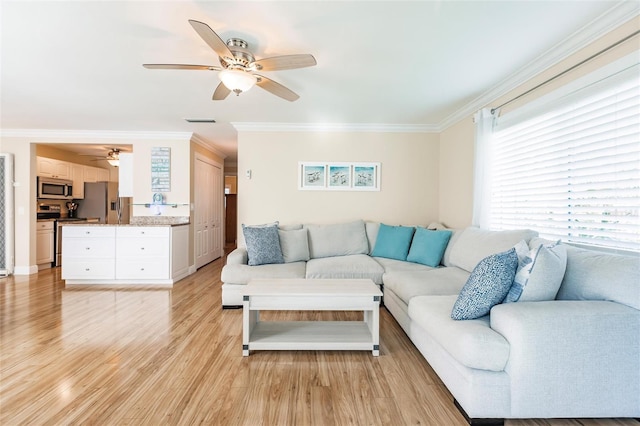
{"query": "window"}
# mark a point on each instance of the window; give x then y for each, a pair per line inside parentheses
(569, 167)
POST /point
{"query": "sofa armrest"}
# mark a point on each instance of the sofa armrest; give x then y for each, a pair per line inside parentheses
(238, 256)
(571, 358)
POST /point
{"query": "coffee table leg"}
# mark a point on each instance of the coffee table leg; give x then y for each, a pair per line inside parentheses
(372, 318)
(249, 320)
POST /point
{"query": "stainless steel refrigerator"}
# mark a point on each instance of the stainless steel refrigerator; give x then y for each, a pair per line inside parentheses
(101, 201)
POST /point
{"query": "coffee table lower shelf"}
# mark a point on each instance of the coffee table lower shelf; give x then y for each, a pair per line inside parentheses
(310, 335)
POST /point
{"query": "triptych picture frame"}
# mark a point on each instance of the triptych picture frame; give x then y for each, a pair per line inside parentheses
(338, 176)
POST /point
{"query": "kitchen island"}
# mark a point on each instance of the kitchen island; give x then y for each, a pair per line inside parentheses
(125, 254)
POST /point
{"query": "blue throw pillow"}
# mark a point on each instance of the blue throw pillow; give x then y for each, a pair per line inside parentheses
(487, 286)
(393, 242)
(263, 244)
(428, 246)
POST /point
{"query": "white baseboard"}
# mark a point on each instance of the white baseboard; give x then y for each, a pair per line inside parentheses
(25, 270)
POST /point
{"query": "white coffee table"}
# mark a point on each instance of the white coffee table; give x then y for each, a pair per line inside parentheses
(311, 295)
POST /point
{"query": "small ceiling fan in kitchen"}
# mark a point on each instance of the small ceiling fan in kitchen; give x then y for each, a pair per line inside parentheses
(112, 157)
(239, 68)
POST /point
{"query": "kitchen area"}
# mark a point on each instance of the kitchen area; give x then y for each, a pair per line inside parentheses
(69, 192)
(89, 231)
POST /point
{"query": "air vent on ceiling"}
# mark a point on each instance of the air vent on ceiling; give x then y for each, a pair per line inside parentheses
(200, 120)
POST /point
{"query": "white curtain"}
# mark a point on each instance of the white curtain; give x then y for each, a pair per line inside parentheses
(485, 122)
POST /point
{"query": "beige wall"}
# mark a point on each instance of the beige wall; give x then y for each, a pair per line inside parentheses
(456, 142)
(456, 175)
(409, 177)
(231, 184)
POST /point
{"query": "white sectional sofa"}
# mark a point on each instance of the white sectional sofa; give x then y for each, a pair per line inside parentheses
(577, 355)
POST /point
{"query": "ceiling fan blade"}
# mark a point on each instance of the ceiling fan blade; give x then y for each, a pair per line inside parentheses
(285, 62)
(181, 67)
(221, 92)
(211, 38)
(276, 88)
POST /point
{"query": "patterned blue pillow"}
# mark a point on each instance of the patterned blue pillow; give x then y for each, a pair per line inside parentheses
(487, 285)
(263, 244)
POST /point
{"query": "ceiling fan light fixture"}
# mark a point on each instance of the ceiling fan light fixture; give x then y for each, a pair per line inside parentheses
(237, 81)
(113, 158)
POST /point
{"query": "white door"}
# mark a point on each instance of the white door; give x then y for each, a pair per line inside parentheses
(209, 193)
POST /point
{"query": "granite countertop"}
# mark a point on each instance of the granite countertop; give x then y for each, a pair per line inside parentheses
(142, 221)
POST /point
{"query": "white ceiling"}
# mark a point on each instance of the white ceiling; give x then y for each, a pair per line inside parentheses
(71, 65)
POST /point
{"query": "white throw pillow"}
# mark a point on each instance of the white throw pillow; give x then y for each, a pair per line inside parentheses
(295, 245)
(539, 274)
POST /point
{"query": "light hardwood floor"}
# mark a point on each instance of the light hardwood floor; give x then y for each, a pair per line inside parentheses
(173, 356)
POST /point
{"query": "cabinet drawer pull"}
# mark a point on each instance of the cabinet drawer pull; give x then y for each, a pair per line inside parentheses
(87, 269)
(141, 248)
(87, 248)
(142, 269)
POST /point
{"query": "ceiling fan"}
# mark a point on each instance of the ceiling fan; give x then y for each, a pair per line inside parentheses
(112, 157)
(238, 71)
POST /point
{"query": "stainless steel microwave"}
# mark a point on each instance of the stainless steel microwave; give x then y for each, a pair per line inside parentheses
(56, 189)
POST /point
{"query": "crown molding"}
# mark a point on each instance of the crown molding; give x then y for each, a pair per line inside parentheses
(209, 146)
(334, 127)
(603, 24)
(45, 135)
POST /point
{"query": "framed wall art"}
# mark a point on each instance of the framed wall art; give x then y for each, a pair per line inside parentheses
(160, 169)
(312, 175)
(366, 176)
(339, 176)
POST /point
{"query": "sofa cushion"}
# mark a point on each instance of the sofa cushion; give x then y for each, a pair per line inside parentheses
(427, 247)
(242, 274)
(393, 242)
(340, 239)
(355, 266)
(487, 285)
(539, 274)
(289, 226)
(474, 244)
(372, 229)
(263, 244)
(393, 265)
(594, 275)
(409, 284)
(472, 343)
(294, 244)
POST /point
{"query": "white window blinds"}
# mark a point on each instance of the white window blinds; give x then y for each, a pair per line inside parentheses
(570, 168)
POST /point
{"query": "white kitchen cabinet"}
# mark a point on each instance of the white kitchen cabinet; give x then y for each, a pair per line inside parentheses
(143, 252)
(52, 168)
(88, 252)
(90, 174)
(77, 176)
(127, 255)
(103, 175)
(95, 174)
(44, 244)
